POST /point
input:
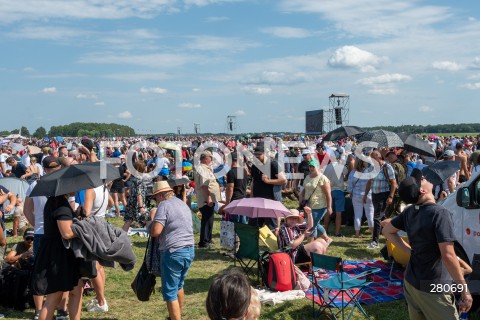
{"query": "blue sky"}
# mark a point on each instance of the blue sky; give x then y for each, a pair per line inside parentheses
(161, 64)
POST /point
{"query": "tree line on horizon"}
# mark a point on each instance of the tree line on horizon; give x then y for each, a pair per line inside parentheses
(79, 129)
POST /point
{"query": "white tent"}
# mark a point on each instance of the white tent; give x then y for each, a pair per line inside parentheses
(15, 136)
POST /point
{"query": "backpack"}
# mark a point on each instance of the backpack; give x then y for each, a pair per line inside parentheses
(14, 288)
(281, 272)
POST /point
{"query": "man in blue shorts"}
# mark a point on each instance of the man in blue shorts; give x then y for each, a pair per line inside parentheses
(172, 225)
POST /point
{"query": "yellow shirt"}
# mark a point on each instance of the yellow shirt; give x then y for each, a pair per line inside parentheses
(204, 177)
(317, 200)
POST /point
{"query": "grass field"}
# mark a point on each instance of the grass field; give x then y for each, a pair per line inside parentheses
(207, 263)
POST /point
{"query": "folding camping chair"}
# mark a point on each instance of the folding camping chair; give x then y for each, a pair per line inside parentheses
(248, 254)
(268, 238)
(340, 284)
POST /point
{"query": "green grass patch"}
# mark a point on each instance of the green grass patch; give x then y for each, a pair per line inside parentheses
(207, 264)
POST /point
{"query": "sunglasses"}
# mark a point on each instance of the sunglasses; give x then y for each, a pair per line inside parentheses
(29, 238)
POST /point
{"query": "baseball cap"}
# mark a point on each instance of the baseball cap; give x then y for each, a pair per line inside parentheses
(122, 156)
(259, 150)
(28, 233)
(205, 154)
(409, 189)
(320, 145)
(50, 162)
(448, 153)
(306, 151)
(313, 163)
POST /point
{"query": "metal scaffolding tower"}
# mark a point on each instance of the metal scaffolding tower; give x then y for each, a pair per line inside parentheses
(337, 114)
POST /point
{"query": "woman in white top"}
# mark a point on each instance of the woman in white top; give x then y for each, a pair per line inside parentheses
(357, 179)
(97, 201)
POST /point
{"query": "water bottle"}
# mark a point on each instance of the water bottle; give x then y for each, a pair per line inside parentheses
(464, 315)
(102, 153)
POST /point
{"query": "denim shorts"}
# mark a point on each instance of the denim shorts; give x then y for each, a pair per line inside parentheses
(174, 267)
(338, 201)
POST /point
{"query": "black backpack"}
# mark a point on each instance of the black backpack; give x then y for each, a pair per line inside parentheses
(15, 288)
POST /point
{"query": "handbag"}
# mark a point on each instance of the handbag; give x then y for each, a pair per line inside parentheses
(227, 234)
(144, 283)
(153, 257)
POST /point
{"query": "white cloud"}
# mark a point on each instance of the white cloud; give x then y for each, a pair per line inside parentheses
(384, 79)
(86, 96)
(138, 76)
(257, 90)
(189, 105)
(217, 19)
(196, 90)
(100, 103)
(475, 77)
(472, 86)
(240, 113)
(46, 33)
(382, 90)
(153, 90)
(210, 43)
(165, 60)
(372, 18)
(353, 57)
(49, 90)
(287, 32)
(28, 69)
(447, 65)
(425, 109)
(277, 78)
(124, 115)
(475, 63)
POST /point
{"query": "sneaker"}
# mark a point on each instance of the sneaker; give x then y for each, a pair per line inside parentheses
(98, 308)
(339, 235)
(61, 315)
(37, 315)
(373, 245)
(91, 303)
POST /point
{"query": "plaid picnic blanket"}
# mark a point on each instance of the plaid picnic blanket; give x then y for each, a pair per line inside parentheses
(381, 290)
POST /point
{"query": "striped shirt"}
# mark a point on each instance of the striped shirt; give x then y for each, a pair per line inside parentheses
(286, 237)
(379, 182)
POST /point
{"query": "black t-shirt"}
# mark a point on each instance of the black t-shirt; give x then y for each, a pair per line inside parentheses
(119, 183)
(239, 185)
(260, 188)
(426, 226)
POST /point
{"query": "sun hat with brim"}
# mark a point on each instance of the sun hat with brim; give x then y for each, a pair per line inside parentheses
(294, 213)
(161, 186)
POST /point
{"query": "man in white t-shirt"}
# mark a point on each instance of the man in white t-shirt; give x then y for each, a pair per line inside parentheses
(4, 155)
(336, 172)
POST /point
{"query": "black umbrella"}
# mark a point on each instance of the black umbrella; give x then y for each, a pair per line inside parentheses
(177, 181)
(385, 139)
(403, 135)
(417, 145)
(440, 171)
(75, 178)
(343, 132)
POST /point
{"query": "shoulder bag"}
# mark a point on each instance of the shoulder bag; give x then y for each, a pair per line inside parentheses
(144, 283)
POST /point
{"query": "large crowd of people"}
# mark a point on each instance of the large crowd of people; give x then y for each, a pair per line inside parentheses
(211, 171)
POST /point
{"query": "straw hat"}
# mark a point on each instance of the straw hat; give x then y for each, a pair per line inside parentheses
(161, 186)
(294, 213)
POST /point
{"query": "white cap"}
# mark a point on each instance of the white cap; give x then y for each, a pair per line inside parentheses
(306, 151)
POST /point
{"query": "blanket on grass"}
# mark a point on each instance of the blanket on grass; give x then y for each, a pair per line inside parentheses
(381, 290)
